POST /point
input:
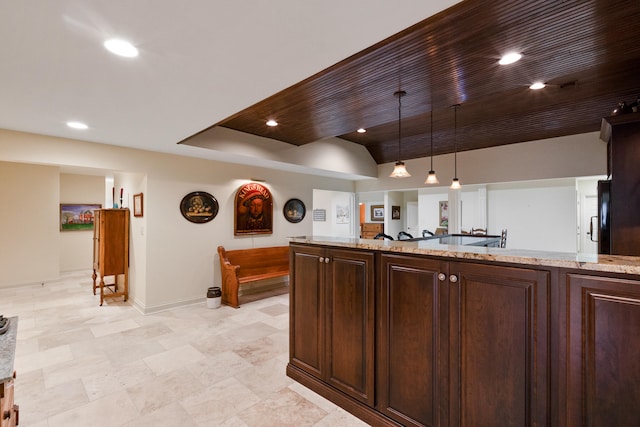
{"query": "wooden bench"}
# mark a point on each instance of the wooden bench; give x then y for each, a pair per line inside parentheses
(250, 265)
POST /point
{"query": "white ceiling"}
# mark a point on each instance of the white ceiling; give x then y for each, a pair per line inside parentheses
(200, 61)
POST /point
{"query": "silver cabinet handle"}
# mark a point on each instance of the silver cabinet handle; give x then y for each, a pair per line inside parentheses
(321, 259)
(326, 260)
(453, 278)
(442, 277)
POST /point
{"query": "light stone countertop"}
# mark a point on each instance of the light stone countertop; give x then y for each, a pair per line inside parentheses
(8, 350)
(591, 262)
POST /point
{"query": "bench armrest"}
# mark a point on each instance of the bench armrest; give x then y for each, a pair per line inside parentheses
(230, 282)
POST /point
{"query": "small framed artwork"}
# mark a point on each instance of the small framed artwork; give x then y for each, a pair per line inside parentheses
(199, 207)
(377, 212)
(444, 214)
(343, 214)
(77, 217)
(395, 212)
(294, 210)
(137, 205)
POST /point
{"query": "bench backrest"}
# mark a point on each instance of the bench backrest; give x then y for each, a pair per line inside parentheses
(257, 261)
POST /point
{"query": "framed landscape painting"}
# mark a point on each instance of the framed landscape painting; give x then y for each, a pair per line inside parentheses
(77, 217)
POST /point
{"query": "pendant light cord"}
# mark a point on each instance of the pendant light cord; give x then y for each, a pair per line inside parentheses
(431, 137)
(400, 93)
(455, 140)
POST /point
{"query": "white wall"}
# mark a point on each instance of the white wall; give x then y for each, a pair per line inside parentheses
(537, 215)
(564, 157)
(29, 215)
(429, 208)
(333, 202)
(394, 226)
(173, 261)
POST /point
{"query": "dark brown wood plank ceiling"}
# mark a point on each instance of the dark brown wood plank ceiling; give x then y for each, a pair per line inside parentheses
(588, 53)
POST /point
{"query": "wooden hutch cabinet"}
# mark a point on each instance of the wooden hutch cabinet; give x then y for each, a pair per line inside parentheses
(111, 252)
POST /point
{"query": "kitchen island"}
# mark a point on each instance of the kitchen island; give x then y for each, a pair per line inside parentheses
(417, 334)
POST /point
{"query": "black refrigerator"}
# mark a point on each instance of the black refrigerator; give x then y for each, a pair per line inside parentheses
(604, 217)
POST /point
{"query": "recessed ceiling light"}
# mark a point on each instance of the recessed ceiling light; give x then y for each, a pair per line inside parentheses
(537, 85)
(272, 123)
(121, 47)
(77, 125)
(361, 130)
(510, 58)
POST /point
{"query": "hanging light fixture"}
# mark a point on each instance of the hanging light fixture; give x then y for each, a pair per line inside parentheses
(455, 184)
(399, 170)
(432, 178)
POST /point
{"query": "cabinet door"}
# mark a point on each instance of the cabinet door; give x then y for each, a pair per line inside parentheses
(350, 333)
(306, 320)
(114, 241)
(499, 345)
(412, 350)
(603, 354)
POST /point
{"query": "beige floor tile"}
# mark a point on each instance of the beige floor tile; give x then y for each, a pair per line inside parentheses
(80, 364)
(285, 408)
(113, 327)
(220, 401)
(172, 414)
(117, 377)
(149, 396)
(110, 411)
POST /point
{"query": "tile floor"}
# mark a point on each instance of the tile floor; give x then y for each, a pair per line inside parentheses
(79, 364)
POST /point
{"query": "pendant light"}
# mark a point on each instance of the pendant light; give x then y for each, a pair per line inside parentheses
(455, 184)
(432, 178)
(399, 170)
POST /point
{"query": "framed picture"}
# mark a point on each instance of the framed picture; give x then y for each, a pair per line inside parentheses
(395, 212)
(198, 207)
(343, 214)
(377, 212)
(444, 214)
(253, 210)
(77, 217)
(294, 210)
(137, 205)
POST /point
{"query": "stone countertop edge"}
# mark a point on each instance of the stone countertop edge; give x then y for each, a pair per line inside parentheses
(591, 262)
(8, 350)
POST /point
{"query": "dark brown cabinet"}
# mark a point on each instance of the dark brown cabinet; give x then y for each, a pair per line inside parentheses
(332, 318)
(622, 134)
(412, 352)
(462, 343)
(602, 362)
(499, 337)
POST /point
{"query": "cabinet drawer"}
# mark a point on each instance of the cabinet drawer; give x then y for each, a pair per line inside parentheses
(373, 228)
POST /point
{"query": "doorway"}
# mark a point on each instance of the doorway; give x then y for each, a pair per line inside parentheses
(589, 224)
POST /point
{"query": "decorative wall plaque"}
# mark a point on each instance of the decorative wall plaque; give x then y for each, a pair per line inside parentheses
(199, 207)
(253, 210)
